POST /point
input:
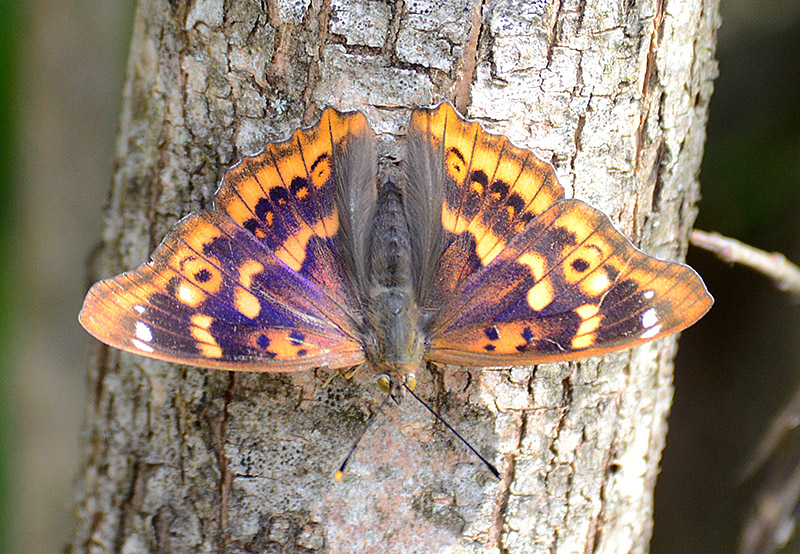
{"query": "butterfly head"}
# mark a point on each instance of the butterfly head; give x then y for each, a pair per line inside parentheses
(396, 385)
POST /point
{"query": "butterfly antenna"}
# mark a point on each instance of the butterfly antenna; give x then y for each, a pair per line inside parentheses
(440, 418)
(339, 474)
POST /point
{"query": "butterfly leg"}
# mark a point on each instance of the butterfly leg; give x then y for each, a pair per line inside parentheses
(346, 373)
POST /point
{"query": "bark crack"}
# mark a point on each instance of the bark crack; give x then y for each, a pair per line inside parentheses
(596, 527)
(650, 73)
(321, 19)
(566, 406)
(218, 424)
(469, 60)
(393, 32)
(276, 75)
(551, 35)
(504, 496)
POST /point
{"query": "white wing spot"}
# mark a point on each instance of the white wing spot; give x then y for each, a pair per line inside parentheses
(649, 318)
(139, 309)
(648, 294)
(142, 346)
(651, 332)
(143, 332)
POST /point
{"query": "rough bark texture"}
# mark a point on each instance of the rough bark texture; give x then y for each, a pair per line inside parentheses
(180, 459)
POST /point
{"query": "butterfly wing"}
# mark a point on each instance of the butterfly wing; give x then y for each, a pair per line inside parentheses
(264, 282)
(468, 192)
(213, 296)
(568, 286)
(308, 199)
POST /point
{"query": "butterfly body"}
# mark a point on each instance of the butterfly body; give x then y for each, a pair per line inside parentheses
(470, 255)
(392, 333)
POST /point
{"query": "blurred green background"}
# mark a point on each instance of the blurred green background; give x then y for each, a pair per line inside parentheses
(62, 65)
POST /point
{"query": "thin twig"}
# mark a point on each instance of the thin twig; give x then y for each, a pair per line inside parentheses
(784, 273)
(772, 518)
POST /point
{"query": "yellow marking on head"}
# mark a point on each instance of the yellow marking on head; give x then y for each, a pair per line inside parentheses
(540, 295)
(536, 263)
(247, 271)
(247, 304)
(190, 295)
(384, 383)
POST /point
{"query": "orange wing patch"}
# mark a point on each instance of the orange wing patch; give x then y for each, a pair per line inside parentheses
(213, 296)
(286, 195)
(507, 271)
(492, 188)
(569, 286)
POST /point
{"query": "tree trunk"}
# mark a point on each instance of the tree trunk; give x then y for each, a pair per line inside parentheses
(182, 459)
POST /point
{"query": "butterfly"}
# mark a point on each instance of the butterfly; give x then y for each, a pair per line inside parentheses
(468, 253)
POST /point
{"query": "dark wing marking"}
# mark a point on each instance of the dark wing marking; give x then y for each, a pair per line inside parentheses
(214, 296)
(569, 286)
(490, 191)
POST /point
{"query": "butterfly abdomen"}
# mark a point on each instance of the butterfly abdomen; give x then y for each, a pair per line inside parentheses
(392, 314)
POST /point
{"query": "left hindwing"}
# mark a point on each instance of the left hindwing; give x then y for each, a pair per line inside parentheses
(568, 286)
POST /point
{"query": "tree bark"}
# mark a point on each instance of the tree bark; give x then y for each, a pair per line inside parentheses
(179, 459)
